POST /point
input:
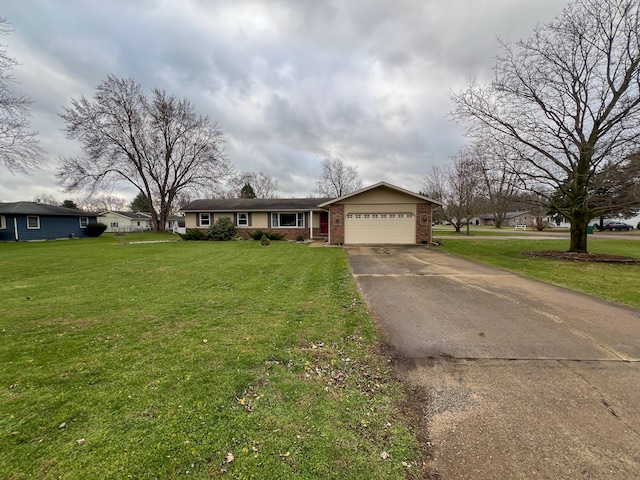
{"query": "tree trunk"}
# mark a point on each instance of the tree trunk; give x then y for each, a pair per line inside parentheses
(579, 233)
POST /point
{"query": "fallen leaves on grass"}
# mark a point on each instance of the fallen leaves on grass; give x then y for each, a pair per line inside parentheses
(582, 257)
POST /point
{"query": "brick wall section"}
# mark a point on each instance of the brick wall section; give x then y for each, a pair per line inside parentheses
(423, 223)
(289, 233)
(336, 224)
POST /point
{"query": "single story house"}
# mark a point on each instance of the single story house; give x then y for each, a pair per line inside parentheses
(379, 214)
(124, 222)
(510, 219)
(24, 221)
(287, 216)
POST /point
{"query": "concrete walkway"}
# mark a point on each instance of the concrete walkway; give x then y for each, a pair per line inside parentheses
(514, 379)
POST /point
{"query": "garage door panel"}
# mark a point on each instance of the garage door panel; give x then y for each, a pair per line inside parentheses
(398, 227)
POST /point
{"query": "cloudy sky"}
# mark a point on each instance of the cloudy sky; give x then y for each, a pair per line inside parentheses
(291, 82)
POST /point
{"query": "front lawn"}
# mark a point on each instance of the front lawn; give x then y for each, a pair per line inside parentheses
(194, 360)
(613, 282)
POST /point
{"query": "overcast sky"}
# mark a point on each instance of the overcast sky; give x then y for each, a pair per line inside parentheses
(289, 81)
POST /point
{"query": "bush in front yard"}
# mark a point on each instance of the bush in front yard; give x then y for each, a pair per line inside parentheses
(258, 234)
(95, 229)
(222, 230)
(193, 234)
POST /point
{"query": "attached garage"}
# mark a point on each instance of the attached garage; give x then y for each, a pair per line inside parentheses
(380, 214)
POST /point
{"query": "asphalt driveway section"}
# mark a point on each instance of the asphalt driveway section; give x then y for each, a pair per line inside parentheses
(519, 379)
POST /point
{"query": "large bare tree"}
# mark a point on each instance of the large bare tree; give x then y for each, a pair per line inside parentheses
(568, 96)
(19, 147)
(338, 178)
(159, 145)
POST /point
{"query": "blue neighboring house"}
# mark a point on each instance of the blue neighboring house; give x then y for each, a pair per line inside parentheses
(25, 221)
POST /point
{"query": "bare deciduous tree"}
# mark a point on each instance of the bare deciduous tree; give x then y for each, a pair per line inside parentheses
(103, 203)
(499, 174)
(19, 148)
(568, 96)
(46, 199)
(338, 178)
(457, 186)
(159, 145)
(263, 185)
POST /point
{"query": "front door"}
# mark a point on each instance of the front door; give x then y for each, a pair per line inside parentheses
(324, 223)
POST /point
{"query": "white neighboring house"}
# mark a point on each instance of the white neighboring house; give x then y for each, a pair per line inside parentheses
(123, 222)
(176, 224)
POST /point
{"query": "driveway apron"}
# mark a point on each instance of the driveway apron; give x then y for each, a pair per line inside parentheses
(515, 378)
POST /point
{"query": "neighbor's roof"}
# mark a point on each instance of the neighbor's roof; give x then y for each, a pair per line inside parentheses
(132, 215)
(254, 204)
(34, 208)
(380, 185)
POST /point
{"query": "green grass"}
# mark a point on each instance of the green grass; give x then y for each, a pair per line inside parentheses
(613, 282)
(486, 231)
(158, 360)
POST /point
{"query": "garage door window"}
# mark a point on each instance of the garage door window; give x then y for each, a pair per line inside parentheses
(385, 216)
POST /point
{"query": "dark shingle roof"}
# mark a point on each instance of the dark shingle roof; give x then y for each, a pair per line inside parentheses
(254, 204)
(33, 208)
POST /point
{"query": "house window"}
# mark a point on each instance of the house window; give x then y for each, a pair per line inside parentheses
(3, 222)
(114, 224)
(287, 220)
(33, 222)
(84, 221)
(204, 219)
(242, 220)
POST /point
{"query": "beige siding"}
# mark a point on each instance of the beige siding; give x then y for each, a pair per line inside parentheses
(380, 208)
(190, 220)
(259, 220)
(380, 196)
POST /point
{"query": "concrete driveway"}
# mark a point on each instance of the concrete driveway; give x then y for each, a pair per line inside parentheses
(513, 378)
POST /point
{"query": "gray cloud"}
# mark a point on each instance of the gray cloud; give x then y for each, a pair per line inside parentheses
(290, 82)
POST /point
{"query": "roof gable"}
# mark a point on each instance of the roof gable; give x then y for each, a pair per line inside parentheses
(380, 185)
(129, 215)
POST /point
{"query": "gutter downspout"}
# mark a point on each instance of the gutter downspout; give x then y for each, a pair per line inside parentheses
(15, 228)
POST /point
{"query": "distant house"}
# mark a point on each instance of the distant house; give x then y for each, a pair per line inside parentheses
(379, 214)
(176, 224)
(25, 221)
(510, 219)
(124, 222)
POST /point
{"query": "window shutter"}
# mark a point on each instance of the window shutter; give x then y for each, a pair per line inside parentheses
(249, 219)
(235, 219)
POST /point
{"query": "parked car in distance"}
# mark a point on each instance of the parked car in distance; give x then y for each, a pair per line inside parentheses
(613, 226)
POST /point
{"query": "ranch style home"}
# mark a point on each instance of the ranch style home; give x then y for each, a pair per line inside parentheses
(379, 214)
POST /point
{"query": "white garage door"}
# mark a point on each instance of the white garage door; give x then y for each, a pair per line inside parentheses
(399, 227)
